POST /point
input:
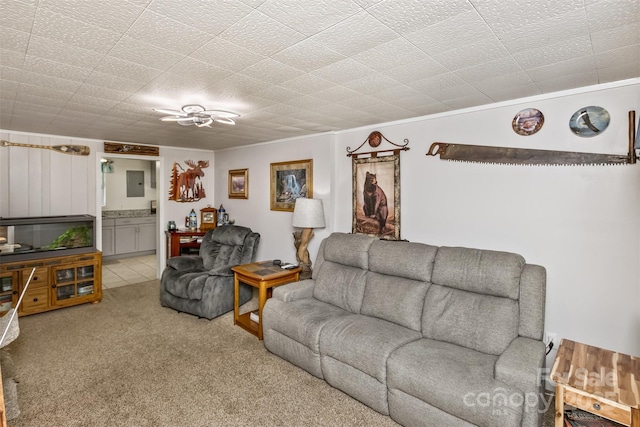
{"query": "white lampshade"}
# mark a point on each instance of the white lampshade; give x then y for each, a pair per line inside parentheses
(308, 213)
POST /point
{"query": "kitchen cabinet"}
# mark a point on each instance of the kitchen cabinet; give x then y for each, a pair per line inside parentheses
(135, 235)
(108, 237)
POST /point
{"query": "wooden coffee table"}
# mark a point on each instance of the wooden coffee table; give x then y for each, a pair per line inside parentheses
(598, 381)
(264, 276)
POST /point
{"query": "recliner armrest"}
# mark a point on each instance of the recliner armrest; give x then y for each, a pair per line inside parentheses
(294, 291)
(521, 365)
(185, 262)
(224, 271)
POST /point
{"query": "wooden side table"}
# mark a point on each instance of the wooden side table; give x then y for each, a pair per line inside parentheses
(264, 276)
(174, 247)
(598, 381)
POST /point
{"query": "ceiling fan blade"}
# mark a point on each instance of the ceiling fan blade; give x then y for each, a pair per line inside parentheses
(225, 120)
(173, 112)
(176, 118)
(221, 113)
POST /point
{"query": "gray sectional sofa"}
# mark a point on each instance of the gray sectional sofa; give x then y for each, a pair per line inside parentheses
(431, 336)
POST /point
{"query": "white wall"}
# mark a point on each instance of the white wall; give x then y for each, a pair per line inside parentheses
(41, 182)
(116, 185)
(276, 240)
(582, 223)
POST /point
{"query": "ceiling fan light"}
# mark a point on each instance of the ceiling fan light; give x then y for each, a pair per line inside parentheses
(194, 114)
(172, 112)
(193, 108)
(225, 120)
(174, 118)
(221, 113)
(203, 122)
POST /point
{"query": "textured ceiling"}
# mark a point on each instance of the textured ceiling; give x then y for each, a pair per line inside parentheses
(97, 68)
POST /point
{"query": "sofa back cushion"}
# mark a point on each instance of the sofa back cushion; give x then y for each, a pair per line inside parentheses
(348, 249)
(477, 270)
(403, 259)
(340, 285)
(400, 274)
(480, 322)
(395, 299)
(473, 301)
(341, 269)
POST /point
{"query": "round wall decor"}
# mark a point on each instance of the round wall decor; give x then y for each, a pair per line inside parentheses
(589, 121)
(527, 121)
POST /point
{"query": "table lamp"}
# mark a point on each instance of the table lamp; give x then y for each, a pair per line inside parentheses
(307, 214)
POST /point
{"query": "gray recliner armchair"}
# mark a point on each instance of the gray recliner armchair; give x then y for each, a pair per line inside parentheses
(203, 285)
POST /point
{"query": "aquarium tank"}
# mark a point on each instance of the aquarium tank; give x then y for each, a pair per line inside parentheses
(40, 237)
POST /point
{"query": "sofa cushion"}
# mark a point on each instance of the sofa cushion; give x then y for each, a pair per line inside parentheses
(455, 379)
(340, 285)
(403, 259)
(476, 270)
(481, 322)
(348, 249)
(364, 342)
(396, 299)
(310, 317)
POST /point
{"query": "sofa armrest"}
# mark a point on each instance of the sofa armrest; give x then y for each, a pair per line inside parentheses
(224, 271)
(521, 365)
(294, 291)
(185, 262)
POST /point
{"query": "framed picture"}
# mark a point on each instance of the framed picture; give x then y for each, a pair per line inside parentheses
(289, 181)
(376, 196)
(239, 184)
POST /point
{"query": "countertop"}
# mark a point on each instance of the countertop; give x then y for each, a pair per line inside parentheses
(127, 213)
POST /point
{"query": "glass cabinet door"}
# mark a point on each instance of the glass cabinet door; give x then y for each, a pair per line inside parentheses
(65, 275)
(8, 291)
(72, 283)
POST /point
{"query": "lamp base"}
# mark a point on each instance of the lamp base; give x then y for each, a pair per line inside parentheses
(301, 241)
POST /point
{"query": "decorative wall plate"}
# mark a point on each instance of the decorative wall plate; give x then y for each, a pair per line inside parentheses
(589, 121)
(527, 121)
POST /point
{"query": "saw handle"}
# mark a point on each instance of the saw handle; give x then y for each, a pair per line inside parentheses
(437, 148)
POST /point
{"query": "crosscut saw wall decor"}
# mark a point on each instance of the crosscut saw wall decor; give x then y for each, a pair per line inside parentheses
(376, 188)
(526, 156)
(186, 184)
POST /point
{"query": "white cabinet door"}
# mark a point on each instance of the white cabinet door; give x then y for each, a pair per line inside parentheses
(108, 240)
(126, 239)
(146, 237)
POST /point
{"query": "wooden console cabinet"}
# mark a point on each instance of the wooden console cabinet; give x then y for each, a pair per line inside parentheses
(181, 242)
(57, 282)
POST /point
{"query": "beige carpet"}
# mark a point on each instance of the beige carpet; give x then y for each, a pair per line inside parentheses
(130, 362)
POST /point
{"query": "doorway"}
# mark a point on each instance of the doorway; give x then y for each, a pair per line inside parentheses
(128, 222)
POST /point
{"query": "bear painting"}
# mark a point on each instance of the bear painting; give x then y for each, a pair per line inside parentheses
(375, 201)
(376, 196)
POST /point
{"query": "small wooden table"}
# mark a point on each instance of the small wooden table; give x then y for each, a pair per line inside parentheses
(598, 381)
(264, 276)
(175, 247)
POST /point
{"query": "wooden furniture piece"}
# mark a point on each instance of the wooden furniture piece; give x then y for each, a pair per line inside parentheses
(264, 276)
(58, 282)
(3, 412)
(598, 381)
(208, 218)
(182, 240)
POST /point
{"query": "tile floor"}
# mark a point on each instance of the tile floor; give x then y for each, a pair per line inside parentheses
(128, 271)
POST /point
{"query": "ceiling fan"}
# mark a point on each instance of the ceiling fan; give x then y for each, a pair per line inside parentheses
(194, 114)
